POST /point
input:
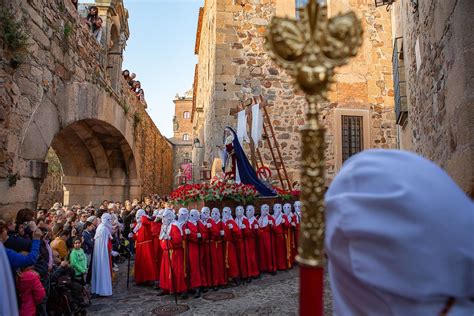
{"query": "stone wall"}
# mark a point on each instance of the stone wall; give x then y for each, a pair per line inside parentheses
(438, 51)
(58, 90)
(243, 70)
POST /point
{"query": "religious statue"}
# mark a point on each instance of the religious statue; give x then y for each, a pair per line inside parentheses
(236, 165)
(228, 154)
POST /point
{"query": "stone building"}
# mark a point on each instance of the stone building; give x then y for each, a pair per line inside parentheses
(433, 64)
(182, 133)
(233, 66)
(61, 89)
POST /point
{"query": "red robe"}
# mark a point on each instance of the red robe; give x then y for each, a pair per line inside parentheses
(282, 253)
(250, 242)
(242, 248)
(172, 276)
(266, 248)
(219, 274)
(291, 237)
(155, 232)
(297, 220)
(205, 251)
(145, 265)
(231, 235)
(192, 254)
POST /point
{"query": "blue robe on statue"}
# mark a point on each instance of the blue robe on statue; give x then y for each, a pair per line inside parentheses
(246, 172)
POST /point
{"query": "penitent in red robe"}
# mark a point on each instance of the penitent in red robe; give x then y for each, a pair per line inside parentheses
(145, 265)
(231, 236)
(172, 275)
(219, 274)
(280, 243)
(155, 233)
(243, 248)
(192, 254)
(267, 248)
(205, 256)
(251, 244)
(297, 220)
(291, 239)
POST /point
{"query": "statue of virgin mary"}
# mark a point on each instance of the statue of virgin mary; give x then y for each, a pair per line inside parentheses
(236, 166)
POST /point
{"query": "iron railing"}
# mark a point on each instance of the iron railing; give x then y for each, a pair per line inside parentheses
(399, 83)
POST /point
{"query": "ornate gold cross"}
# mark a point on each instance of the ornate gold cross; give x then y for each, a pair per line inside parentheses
(309, 49)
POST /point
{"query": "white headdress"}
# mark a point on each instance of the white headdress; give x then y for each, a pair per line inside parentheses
(399, 237)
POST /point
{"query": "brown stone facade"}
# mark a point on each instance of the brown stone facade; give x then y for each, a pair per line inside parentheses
(63, 89)
(437, 48)
(182, 132)
(233, 66)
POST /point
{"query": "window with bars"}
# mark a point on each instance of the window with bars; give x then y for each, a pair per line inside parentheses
(187, 115)
(186, 137)
(352, 136)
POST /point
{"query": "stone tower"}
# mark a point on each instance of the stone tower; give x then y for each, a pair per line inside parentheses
(233, 66)
(182, 130)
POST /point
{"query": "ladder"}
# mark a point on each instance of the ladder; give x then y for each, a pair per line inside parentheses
(272, 143)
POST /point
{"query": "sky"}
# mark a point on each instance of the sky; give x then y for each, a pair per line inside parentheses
(160, 51)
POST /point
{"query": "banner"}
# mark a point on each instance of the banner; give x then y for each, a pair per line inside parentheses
(187, 171)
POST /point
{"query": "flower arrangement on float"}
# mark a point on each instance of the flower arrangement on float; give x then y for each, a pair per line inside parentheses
(221, 192)
(217, 190)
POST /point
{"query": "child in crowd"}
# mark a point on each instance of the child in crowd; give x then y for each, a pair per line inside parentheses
(78, 260)
(31, 291)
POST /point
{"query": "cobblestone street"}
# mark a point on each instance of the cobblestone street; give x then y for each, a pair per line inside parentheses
(270, 295)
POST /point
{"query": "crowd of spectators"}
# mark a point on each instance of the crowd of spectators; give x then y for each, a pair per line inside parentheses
(92, 19)
(50, 252)
(135, 85)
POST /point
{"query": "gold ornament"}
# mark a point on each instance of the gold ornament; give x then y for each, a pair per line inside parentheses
(309, 49)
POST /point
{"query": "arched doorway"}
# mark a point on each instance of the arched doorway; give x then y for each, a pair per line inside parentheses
(97, 163)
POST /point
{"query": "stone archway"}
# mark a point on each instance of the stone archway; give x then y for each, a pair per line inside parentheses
(97, 163)
(94, 139)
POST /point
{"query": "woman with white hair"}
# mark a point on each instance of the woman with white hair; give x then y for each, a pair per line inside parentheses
(399, 238)
(146, 269)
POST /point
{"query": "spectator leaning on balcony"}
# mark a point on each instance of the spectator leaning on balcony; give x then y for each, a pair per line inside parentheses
(92, 16)
(126, 75)
(131, 79)
(97, 29)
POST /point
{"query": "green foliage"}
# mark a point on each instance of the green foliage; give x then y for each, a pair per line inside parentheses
(54, 165)
(67, 30)
(125, 107)
(14, 37)
(61, 7)
(136, 120)
(12, 31)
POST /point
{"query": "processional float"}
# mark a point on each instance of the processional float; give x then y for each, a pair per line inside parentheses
(309, 48)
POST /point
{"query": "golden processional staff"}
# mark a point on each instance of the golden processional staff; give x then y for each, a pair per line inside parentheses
(309, 49)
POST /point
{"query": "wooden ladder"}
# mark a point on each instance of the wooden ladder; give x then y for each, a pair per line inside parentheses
(272, 143)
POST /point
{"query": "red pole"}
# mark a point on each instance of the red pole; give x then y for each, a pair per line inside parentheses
(311, 291)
